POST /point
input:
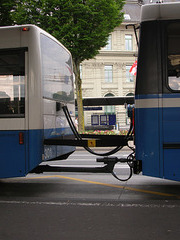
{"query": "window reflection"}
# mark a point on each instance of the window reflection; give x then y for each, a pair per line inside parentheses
(57, 72)
(174, 56)
(12, 83)
(12, 96)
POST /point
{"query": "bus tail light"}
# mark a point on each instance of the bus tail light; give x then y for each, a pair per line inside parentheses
(25, 29)
(21, 138)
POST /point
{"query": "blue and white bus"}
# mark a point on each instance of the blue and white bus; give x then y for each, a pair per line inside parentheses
(35, 75)
(157, 96)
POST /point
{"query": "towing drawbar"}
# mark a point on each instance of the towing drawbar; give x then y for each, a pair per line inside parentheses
(107, 168)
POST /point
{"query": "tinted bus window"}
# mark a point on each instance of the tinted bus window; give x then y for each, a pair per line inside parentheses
(148, 67)
(174, 56)
(56, 71)
(12, 83)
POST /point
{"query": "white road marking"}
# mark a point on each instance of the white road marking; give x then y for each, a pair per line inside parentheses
(94, 204)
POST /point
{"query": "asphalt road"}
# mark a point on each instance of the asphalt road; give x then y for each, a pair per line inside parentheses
(83, 206)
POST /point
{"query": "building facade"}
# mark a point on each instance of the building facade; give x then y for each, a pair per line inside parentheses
(108, 73)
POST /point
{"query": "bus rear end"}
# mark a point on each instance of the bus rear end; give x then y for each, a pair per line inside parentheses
(157, 97)
(13, 124)
(35, 78)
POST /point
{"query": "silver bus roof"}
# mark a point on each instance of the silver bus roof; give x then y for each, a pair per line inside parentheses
(160, 11)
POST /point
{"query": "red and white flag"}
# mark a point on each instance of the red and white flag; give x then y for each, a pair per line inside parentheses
(133, 69)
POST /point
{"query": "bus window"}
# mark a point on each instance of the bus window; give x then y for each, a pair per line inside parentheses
(12, 83)
(174, 56)
(56, 71)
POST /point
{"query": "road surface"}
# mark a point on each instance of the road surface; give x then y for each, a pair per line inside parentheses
(81, 206)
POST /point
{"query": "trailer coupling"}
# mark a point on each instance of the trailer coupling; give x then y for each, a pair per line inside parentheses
(109, 167)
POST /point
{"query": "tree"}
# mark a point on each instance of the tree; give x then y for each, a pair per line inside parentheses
(83, 26)
(5, 12)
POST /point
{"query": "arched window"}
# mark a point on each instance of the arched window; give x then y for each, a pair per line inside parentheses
(130, 94)
(109, 109)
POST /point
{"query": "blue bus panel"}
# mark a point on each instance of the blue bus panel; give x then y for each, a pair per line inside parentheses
(12, 155)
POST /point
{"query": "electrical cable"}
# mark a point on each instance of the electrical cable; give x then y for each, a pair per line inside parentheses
(130, 160)
(78, 136)
(118, 148)
(120, 179)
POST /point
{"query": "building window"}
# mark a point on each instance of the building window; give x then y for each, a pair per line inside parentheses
(109, 109)
(128, 42)
(129, 76)
(108, 73)
(127, 17)
(109, 44)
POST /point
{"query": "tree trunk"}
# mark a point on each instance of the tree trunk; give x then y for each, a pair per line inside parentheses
(78, 84)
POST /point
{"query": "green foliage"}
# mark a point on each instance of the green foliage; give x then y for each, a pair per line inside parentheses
(5, 12)
(82, 26)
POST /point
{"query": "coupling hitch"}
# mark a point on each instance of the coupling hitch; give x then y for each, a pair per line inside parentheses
(112, 161)
(109, 167)
(134, 165)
